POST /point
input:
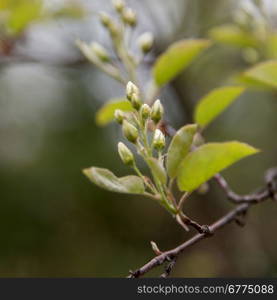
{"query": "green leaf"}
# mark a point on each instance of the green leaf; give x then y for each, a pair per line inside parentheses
(250, 82)
(157, 169)
(214, 103)
(206, 161)
(107, 180)
(106, 113)
(4, 4)
(272, 46)
(23, 13)
(176, 58)
(179, 148)
(265, 73)
(232, 35)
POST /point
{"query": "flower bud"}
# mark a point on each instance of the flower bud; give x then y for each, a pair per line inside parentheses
(130, 131)
(129, 17)
(146, 41)
(107, 22)
(113, 29)
(145, 111)
(158, 140)
(155, 248)
(105, 19)
(119, 5)
(157, 111)
(100, 52)
(119, 116)
(136, 102)
(125, 154)
(131, 89)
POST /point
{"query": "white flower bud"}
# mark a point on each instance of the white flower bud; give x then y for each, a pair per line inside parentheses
(119, 5)
(119, 116)
(129, 17)
(158, 140)
(105, 19)
(125, 154)
(136, 102)
(146, 41)
(100, 52)
(131, 89)
(107, 22)
(145, 111)
(157, 111)
(129, 131)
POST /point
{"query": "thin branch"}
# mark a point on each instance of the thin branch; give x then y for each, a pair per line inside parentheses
(236, 198)
(243, 203)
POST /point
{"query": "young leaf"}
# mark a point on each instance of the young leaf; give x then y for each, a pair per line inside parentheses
(179, 148)
(22, 14)
(203, 163)
(106, 113)
(272, 46)
(107, 180)
(249, 82)
(157, 169)
(232, 35)
(176, 58)
(265, 73)
(211, 105)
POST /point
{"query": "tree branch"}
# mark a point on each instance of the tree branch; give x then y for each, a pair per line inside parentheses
(236, 198)
(243, 203)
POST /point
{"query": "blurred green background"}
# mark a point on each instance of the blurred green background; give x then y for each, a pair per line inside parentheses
(53, 221)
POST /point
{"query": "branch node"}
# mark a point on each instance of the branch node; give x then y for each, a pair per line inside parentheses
(206, 230)
(134, 274)
(271, 180)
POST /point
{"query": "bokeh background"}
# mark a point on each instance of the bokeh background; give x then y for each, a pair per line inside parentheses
(53, 221)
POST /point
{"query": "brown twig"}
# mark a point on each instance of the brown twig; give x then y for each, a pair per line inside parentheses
(236, 198)
(169, 267)
(243, 203)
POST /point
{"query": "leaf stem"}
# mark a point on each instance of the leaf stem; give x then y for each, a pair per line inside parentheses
(150, 186)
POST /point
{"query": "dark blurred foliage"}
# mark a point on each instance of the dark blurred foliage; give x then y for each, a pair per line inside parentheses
(53, 221)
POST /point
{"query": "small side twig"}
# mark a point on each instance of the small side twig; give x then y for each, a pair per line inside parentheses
(169, 267)
(236, 198)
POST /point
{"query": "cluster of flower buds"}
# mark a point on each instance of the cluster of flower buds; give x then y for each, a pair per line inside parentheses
(100, 57)
(134, 124)
(127, 15)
